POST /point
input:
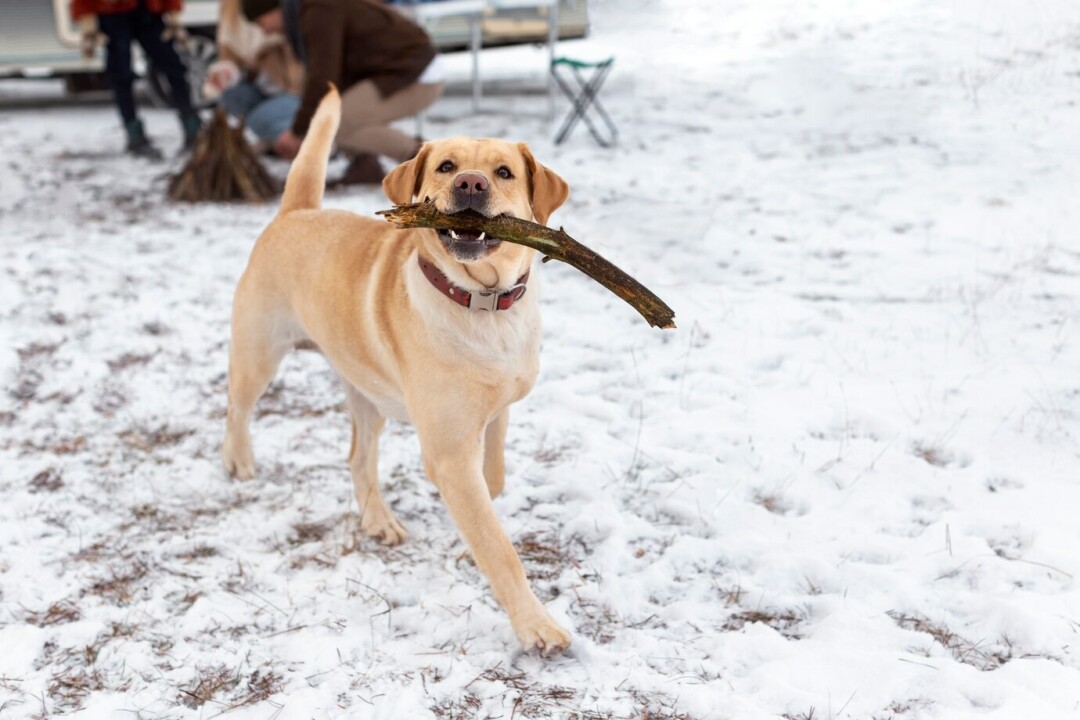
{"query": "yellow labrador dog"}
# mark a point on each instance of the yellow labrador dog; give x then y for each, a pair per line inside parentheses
(440, 328)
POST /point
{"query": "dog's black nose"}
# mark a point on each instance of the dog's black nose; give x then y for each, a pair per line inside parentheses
(470, 184)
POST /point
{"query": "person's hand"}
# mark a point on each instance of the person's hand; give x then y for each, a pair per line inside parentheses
(287, 145)
(220, 76)
(174, 29)
(89, 37)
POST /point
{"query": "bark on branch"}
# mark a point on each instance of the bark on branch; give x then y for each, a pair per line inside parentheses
(552, 243)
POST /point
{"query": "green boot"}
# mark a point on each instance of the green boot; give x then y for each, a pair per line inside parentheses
(191, 124)
(138, 144)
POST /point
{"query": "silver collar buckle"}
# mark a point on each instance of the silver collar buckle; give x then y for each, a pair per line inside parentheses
(489, 301)
(484, 301)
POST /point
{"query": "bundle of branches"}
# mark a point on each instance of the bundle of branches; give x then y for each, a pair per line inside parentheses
(552, 243)
(222, 167)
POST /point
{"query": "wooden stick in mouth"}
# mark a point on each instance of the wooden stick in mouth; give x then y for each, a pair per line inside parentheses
(552, 243)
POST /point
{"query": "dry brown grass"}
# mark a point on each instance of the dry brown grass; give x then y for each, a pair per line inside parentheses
(936, 455)
(199, 552)
(229, 688)
(36, 350)
(69, 688)
(207, 683)
(533, 698)
(553, 455)
(773, 502)
(155, 328)
(530, 699)
(56, 614)
(321, 559)
(149, 439)
(785, 621)
(260, 686)
(48, 480)
(543, 560)
(311, 532)
(75, 671)
(897, 710)
(119, 585)
(597, 622)
(293, 403)
(60, 446)
(466, 707)
(91, 553)
(128, 360)
(962, 649)
(545, 556)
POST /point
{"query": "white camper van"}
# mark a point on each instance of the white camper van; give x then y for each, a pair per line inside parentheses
(38, 38)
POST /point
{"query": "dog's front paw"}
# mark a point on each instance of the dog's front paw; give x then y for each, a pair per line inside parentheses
(543, 634)
(239, 461)
(383, 526)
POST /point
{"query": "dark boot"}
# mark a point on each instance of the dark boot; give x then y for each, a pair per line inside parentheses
(364, 169)
(191, 124)
(138, 144)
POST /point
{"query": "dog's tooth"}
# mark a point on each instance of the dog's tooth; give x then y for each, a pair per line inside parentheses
(482, 236)
(453, 235)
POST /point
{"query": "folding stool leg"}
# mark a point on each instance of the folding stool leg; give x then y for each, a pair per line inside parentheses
(591, 90)
(571, 119)
(586, 96)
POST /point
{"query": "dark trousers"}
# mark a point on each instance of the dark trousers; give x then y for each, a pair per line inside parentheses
(145, 27)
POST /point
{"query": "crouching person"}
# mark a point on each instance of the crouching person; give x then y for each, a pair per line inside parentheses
(385, 66)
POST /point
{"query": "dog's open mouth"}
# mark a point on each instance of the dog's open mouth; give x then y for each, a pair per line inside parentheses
(467, 245)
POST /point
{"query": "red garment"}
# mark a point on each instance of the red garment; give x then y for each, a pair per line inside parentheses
(79, 8)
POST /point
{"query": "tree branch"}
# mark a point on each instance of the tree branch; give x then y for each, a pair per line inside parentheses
(552, 243)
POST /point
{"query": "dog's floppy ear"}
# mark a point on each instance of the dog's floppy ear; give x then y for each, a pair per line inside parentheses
(404, 181)
(549, 191)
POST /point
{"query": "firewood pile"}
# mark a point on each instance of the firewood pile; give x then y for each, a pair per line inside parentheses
(223, 167)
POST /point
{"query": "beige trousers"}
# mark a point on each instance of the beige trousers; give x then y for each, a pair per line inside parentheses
(366, 117)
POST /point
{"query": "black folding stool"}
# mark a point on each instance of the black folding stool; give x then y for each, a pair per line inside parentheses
(586, 97)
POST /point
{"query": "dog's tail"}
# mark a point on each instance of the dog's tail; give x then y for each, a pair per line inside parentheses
(307, 176)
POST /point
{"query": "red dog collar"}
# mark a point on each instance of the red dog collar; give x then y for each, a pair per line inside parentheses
(473, 300)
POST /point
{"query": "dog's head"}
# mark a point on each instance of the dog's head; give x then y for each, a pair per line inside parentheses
(493, 177)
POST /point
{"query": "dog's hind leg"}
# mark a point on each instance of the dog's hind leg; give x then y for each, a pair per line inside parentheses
(254, 356)
(376, 519)
(495, 451)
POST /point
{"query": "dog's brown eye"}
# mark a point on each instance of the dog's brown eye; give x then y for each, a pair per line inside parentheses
(446, 167)
(504, 173)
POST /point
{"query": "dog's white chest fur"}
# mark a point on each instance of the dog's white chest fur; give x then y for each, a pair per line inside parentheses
(505, 344)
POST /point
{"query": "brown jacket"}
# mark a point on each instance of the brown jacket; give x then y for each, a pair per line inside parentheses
(348, 41)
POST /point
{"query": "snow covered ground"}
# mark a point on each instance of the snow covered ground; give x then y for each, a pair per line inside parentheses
(846, 487)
